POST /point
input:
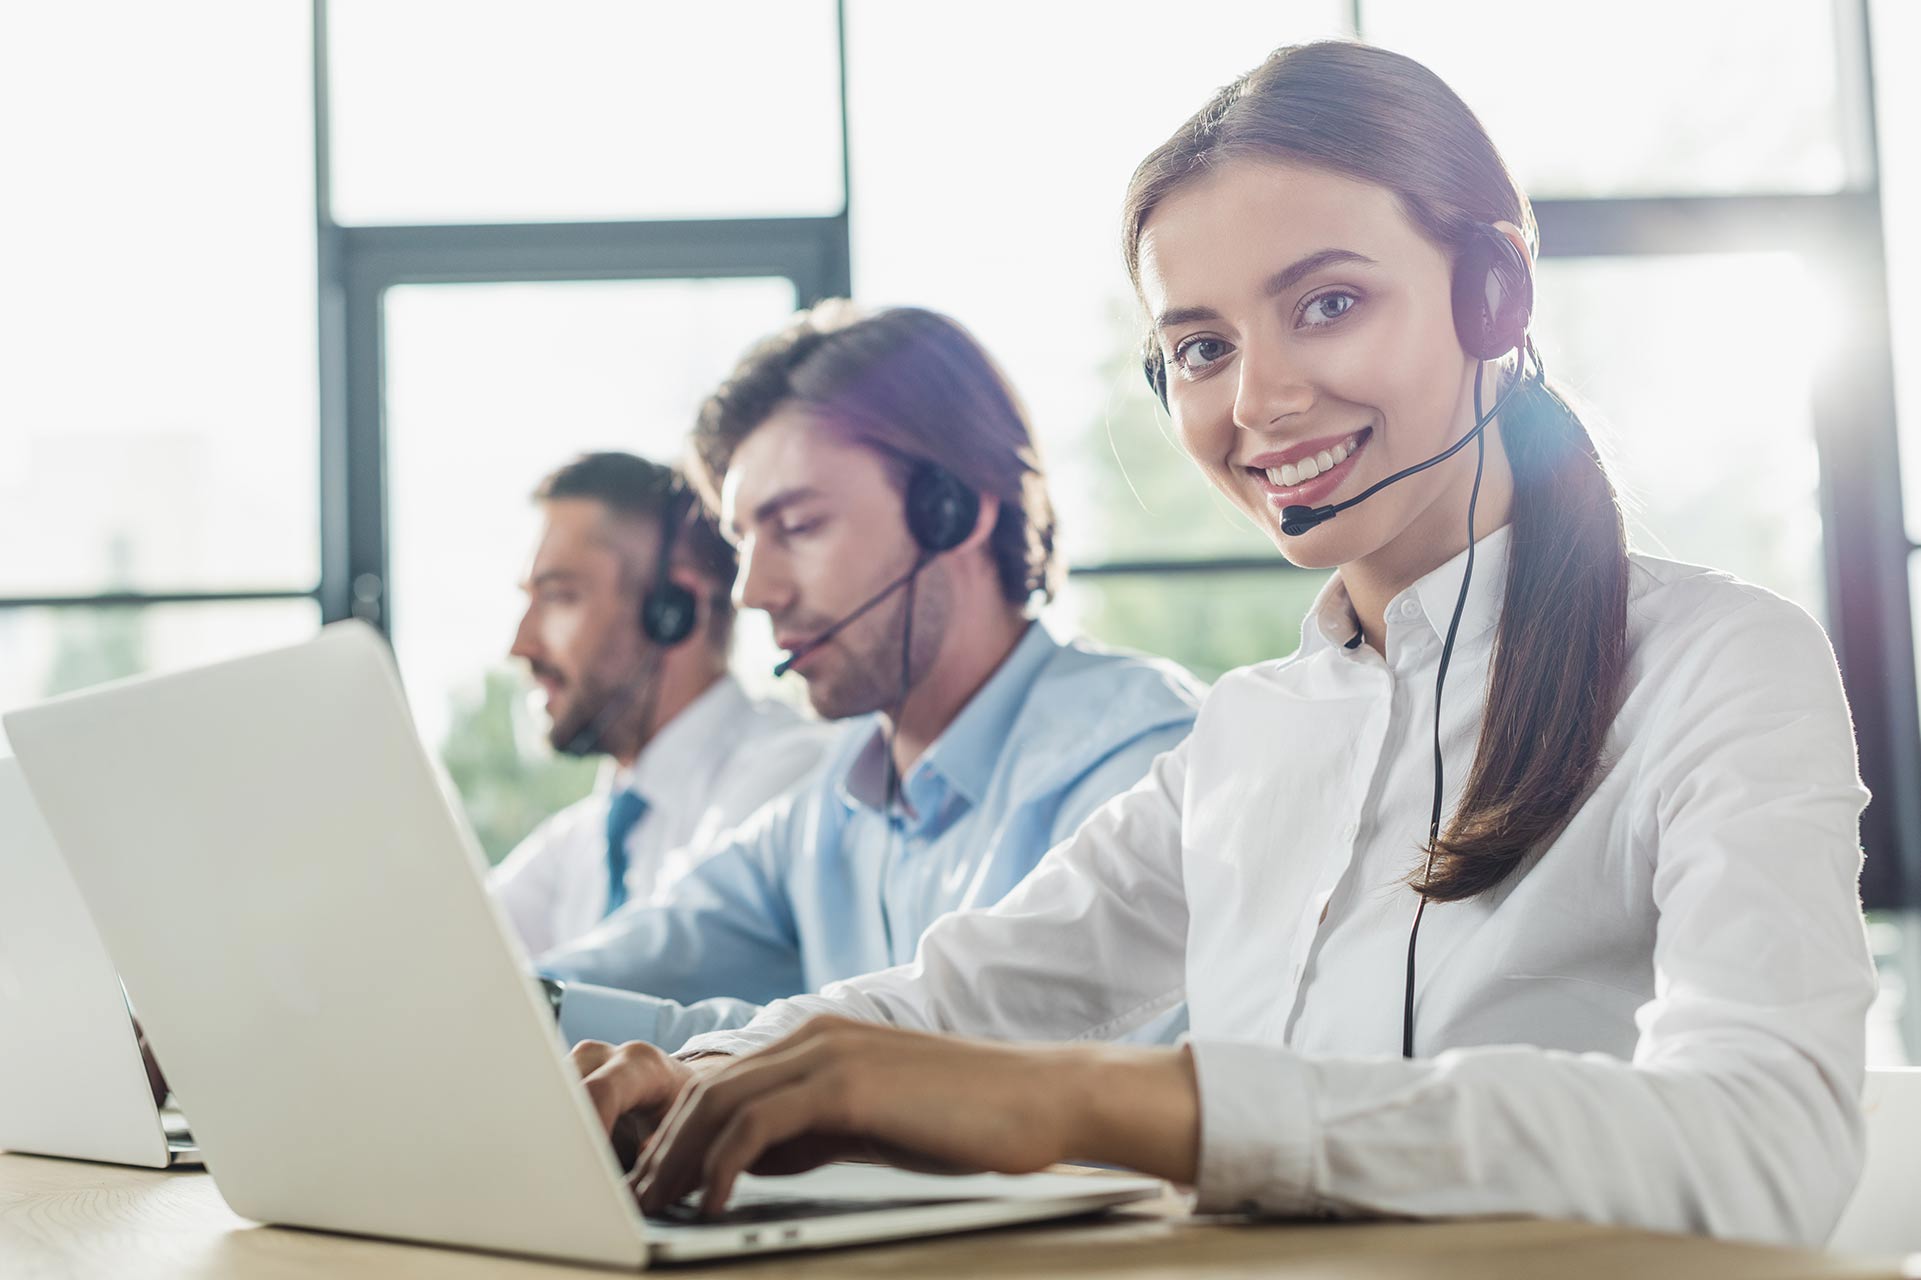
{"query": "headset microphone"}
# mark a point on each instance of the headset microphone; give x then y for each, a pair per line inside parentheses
(1297, 520)
(941, 512)
(802, 650)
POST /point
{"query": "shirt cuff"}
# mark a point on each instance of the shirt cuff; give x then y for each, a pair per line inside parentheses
(1259, 1132)
(602, 1013)
(729, 1042)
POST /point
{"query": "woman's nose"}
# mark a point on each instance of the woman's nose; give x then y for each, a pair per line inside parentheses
(1270, 388)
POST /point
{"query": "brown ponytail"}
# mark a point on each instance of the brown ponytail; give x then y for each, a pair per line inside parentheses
(1556, 671)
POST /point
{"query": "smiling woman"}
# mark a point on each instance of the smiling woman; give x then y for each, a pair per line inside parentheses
(1644, 983)
(1358, 348)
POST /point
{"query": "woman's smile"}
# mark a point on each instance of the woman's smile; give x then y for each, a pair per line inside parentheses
(1307, 473)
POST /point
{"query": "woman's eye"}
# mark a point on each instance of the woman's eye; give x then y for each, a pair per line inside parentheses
(1326, 309)
(1196, 354)
(799, 528)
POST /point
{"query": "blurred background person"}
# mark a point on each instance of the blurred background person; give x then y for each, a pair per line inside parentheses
(627, 632)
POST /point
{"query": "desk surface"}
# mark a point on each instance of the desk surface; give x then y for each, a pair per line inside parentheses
(64, 1219)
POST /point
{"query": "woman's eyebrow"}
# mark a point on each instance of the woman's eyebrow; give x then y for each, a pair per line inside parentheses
(1184, 315)
(1280, 282)
(1286, 278)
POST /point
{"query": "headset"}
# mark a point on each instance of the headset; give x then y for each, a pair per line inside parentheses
(1492, 292)
(668, 609)
(668, 613)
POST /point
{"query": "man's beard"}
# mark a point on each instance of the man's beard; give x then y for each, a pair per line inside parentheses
(618, 700)
(564, 735)
(866, 674)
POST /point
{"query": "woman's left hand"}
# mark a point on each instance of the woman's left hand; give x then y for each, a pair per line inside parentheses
(837, 1088)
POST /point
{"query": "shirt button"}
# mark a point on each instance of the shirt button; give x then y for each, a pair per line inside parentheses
(1410, 608)
(1349, 831)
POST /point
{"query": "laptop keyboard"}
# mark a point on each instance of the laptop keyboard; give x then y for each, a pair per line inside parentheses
(749, 1207)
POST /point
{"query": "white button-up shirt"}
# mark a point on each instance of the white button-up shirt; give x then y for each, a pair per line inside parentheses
(1659, 1022)
(707, 770)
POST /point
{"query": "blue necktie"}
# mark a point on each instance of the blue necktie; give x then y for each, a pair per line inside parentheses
(623, 812)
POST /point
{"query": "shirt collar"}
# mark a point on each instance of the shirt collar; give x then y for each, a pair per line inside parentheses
(677, 757)
(1440, 590)
(1332, 623)
(965, 753)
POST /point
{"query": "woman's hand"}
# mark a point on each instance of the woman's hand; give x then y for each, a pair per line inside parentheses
(837, 1088)
(631, 1087)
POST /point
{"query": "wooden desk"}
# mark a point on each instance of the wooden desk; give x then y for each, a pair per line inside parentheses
(63, 1219)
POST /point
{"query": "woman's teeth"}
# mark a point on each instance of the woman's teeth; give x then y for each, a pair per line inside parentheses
(1307, 468)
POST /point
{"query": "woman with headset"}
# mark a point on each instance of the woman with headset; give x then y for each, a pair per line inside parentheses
(1526, 885)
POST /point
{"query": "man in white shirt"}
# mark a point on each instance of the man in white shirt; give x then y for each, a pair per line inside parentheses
(627, 630)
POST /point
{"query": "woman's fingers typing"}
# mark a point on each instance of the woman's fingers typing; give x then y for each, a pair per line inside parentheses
(757, 1126)
(674, 1161)
(633, 1079)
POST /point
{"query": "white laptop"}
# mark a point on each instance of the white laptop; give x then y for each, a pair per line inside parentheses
(298, 912)
(71, 1079)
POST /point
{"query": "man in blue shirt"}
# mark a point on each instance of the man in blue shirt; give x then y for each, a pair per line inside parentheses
(883, 487)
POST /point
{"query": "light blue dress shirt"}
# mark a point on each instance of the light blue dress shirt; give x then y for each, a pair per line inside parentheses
(818, 888)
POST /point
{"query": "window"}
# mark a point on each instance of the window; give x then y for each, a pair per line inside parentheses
(157, 332)
(1210, 620)
(1698, 381)
(158, 476)
(1002, 209)
(489, 388)
(1898, 26)
(1613, 100)
(457, 111)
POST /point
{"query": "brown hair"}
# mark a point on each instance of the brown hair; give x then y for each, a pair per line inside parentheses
(636, 489)
(913, 386)
(1557, 670)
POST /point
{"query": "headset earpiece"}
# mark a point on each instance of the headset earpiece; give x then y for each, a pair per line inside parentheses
(941, 511)
(1493, 294)
(668, 610)
(667, 614)
(1154, 368)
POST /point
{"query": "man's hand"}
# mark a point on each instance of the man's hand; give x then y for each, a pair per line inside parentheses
(631, 1088)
